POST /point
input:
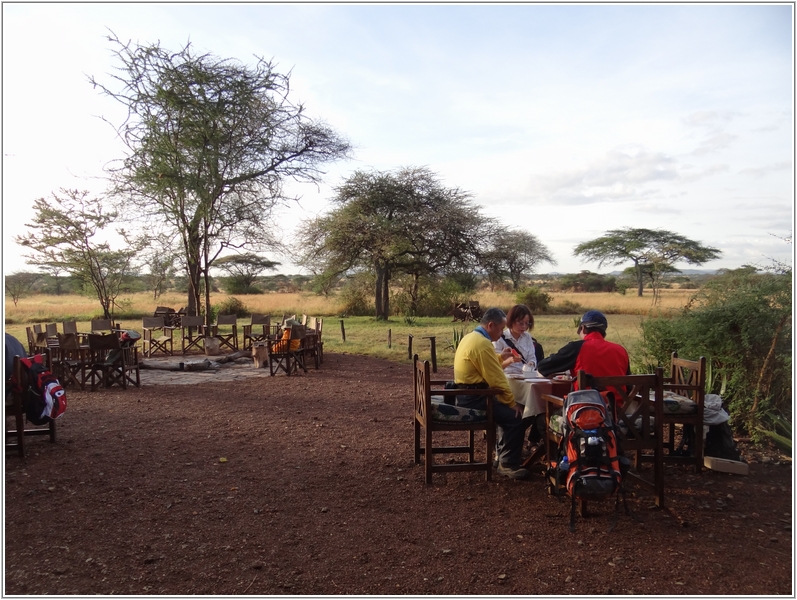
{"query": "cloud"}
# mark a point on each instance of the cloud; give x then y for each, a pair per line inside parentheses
(759, 172)
(710, 119)
(621, 175)
(714, 143)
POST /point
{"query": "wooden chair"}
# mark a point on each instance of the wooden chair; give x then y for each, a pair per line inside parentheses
(71, 327)
(226, 338)
(71, 360)
(112, 363)
(157, 336)
(187, 327)
(287, 354)
(14, 408)
(101, 325)
(31, 340)
(319, 328)
(51, 329)
(640, 421)
(257, 330)
(687, 378)
(430, 420)
(311, 347)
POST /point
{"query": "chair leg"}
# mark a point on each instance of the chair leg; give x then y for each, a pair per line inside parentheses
(428, 457)
(417, 441)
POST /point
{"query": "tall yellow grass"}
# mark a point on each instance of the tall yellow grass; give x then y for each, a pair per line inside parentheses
(608, 302)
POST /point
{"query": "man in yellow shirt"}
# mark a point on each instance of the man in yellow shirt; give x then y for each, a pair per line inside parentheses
(476, 365)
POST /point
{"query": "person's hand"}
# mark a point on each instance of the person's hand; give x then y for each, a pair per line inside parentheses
(506, 354)
(518, 408)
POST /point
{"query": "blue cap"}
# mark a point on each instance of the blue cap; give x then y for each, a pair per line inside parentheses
(594, 318)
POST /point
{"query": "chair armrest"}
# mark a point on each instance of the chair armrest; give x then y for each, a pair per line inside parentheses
(555, 400)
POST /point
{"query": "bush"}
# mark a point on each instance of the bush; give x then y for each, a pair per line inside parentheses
(357, 295)
(537, 300)
(741, 323)
(586, 281)
(436, 297)
(565, 307)
(235, 286)
(230, 306)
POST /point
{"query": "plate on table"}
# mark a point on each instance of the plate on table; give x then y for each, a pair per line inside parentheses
(537, 380)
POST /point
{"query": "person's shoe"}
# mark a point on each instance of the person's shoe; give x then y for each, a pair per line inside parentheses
(513, 472)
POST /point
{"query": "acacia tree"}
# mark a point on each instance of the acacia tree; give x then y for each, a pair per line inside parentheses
(19, 284)
(63, 233)
(210, 143)
(514, 253)
(244, 269)
(394, 222)
(645, 247)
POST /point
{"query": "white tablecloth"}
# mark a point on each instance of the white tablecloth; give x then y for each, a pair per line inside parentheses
(528, 392)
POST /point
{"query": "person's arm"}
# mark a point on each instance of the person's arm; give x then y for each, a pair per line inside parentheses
(564, 360)
(489, 365)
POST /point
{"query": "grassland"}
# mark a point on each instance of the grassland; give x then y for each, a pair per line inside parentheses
(364, 335)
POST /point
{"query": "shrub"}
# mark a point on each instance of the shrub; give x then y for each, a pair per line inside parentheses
(357, 295)
(537, 300)
(565, 307)
(741, 322)
(586, 281)
(230, 306)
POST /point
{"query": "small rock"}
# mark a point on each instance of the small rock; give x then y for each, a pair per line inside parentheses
(580, 542)
(324, 509)
(446, 550)
(568, 579)
(257, 565)
(502, 576)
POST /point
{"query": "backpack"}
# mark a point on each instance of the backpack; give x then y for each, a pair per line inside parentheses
(594, 469)
(44, 400)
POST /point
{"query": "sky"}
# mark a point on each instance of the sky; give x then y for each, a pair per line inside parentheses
(562, 120)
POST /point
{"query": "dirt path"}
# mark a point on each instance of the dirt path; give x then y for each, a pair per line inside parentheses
(306, 485)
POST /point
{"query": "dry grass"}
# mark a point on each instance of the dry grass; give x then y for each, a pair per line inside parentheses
(364, 335)
(608, 302)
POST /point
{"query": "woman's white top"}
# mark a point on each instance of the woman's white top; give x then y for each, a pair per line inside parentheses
(526, 346)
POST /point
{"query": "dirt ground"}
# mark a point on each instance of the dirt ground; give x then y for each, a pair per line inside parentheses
(306, 485)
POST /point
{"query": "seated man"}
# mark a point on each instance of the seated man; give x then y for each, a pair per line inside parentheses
(592, 353)
(476, 365)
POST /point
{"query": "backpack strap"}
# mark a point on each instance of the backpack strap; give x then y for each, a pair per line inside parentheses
(512, 345)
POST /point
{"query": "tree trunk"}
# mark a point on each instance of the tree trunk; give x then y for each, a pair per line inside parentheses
(639, 280)
(414, 294)
(378, 292)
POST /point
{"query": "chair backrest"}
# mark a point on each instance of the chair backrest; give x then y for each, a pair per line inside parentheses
(69, 326)
(304, 320)
(37, 328)
(52, 329)
(68, 341)
(319, 326)
(422, 389)
(312, 323)
(186, 321)
(31, 338)
(102, 325)
(637, 404)
(259, 319)
(98, 341)
(688, 377)
(298, 332)
(153, 322)
(227, 320)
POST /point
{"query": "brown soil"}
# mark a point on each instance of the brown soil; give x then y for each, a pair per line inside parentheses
(306, 485)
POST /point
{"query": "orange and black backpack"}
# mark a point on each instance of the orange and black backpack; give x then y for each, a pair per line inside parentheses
(589, 464)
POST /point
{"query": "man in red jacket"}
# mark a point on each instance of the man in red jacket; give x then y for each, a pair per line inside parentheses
(592, 353)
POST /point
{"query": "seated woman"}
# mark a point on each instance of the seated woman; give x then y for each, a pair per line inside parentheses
(522, 363)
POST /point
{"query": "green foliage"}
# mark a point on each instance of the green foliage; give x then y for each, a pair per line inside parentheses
(356, 297)
(533, 297)
(586, 281)
(233, 285)
(778, 429)
(741, 322)
(230, 306)
(458, 333)
(565, 307)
